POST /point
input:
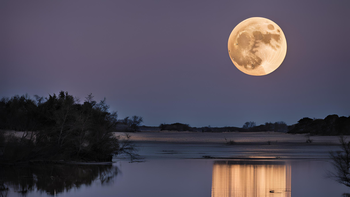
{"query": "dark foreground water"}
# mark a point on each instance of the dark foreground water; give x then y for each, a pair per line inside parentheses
(166, 174)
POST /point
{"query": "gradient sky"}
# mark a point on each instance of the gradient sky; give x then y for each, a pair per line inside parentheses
(167, 61)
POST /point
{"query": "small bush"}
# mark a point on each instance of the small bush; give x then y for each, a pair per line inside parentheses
(308, 140)
(230, 142)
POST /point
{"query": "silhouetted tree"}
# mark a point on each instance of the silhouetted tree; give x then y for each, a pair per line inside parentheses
(331, 125)
(249, 125)
(62, 129)
(162, 127)
(136, 122)
(341, 163)
(175, 127)
(280, 126)
(133, 123)
(18, 113)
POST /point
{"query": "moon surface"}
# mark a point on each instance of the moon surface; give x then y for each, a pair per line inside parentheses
(257, 46)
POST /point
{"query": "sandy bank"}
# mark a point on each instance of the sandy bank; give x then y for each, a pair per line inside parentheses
(237, 137)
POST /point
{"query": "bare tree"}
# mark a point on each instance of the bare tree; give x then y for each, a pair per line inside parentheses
(128, 148)
(133, 123)
(341, 163)
(249, 125)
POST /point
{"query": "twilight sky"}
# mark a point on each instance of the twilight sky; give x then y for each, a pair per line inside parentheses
(167, 61)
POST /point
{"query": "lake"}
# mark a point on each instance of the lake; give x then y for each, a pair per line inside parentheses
(182, 169)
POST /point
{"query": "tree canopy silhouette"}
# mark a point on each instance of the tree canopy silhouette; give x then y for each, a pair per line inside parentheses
(59, 128)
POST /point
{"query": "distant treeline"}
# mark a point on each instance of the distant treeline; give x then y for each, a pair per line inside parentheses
(59, 128)
(331, 125)
(247, 127)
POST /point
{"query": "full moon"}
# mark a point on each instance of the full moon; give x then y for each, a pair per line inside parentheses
(257, 46)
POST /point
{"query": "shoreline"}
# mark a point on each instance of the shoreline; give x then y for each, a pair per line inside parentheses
(228, 145)
(229, 138)
(239, 143)
(239, 138)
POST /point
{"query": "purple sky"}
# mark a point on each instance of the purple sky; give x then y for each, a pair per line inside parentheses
(167, 61)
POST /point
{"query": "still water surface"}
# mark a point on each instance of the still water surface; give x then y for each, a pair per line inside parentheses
(177, 176)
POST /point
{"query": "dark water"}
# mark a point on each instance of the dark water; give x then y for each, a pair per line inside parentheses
(166, 174)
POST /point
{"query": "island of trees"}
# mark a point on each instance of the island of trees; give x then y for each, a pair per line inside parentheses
(60, 128)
